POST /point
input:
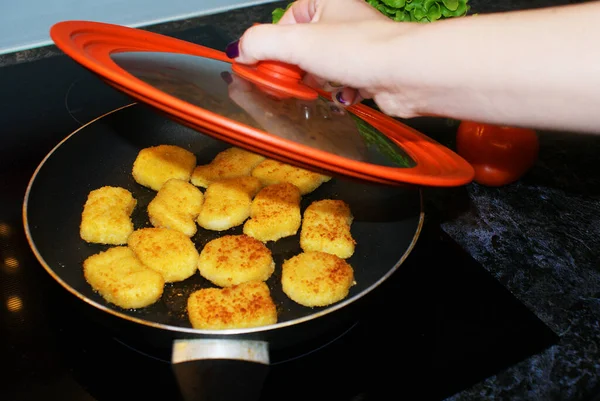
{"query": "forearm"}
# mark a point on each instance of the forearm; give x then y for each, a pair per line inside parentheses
(534, 68)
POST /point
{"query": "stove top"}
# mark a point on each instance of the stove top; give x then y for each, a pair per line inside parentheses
(440, 324)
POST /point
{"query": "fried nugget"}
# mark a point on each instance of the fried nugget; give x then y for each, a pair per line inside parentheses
(169, 252)
(227, 203)
(121, 279)
(274, 172)
(235, 259)
(155, 165)
(176, 206)
(230, 163)
(326, 227)
(275, 213)
(241, 306)
(316, 278)
(106, 216)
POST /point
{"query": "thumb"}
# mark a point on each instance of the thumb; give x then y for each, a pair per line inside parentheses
(328, 51)
(270, 42)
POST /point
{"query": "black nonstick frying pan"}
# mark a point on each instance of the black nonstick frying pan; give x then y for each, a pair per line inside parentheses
(387, 223)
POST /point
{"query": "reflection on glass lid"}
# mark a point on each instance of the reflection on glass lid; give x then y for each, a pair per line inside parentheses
(211, 85)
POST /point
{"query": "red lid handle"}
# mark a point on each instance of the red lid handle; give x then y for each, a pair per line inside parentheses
(279, 79)
(280, 70)
(276, 78)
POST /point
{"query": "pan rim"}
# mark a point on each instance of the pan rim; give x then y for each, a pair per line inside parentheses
(189, 330)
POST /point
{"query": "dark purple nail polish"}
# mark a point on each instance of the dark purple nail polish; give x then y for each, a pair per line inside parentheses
(226, 76)
(232, 50)
(340, 99)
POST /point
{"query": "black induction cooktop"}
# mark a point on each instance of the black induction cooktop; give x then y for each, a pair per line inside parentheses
(439, 324)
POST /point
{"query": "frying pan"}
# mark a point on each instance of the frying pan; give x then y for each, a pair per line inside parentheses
(387, 223)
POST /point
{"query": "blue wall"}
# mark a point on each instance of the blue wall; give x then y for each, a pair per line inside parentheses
(24, 24)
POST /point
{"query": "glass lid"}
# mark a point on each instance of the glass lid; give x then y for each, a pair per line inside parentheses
(212, 85)
(265, 108)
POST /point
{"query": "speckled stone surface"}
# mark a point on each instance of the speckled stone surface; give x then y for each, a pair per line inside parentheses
(540, 237)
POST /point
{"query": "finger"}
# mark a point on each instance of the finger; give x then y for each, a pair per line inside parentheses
(301, 11)
(313, 81)
(365, 94)
(345, 11)
(346, 97)
(332, 86)
(290, 43)
(256, 44)
(335, 59)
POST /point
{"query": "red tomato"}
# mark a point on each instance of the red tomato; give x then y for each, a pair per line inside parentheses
(499, 154)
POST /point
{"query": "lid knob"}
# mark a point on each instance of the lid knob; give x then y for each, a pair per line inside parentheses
(280, 70)
(277, 78)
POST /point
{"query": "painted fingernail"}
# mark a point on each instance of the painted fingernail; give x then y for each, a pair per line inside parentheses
(340, 99)
(226, 76)
(232, 50)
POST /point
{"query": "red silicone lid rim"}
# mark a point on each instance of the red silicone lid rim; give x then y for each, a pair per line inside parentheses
(91, 44)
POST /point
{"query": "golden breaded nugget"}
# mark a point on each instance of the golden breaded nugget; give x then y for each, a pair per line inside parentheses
(326, 227)
(169, 252)
(230, 163)
(155, 165)
(120, 278)
(235, 259)
(316, 278)
(275, 213)
(274, 172)
(227, 202)
(106, 217)
(176, 206)
(241, 306)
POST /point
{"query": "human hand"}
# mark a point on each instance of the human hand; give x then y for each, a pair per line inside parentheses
(483, 68)
(339, 43)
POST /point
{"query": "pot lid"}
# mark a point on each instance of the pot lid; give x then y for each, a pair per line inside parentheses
(265, 108)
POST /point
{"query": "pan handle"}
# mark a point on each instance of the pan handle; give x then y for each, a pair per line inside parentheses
(220, 369)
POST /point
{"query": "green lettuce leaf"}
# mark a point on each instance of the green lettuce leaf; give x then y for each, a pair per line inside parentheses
(451, 5)
(394, 3)
(409, 10)
(278, 13)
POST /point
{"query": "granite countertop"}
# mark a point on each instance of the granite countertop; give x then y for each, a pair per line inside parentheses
(540, 237)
